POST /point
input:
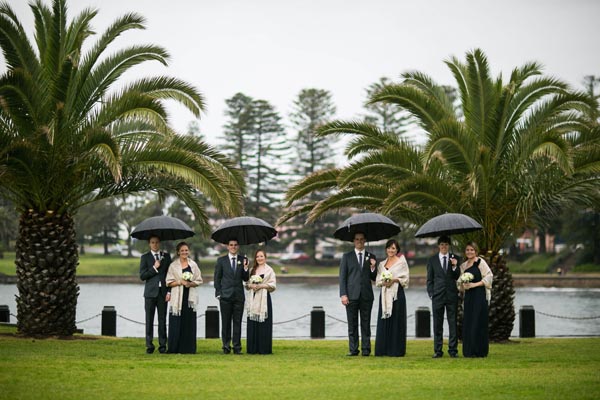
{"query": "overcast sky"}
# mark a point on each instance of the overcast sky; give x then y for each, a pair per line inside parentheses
(271, 49)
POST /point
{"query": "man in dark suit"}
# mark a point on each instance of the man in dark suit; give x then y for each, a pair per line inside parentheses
(442, 273)
(357, 270)
(230, 271)
(153, 270)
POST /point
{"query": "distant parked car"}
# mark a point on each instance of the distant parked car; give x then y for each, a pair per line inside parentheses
(117, 249)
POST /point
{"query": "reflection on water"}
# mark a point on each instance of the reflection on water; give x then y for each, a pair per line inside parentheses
(295, 301)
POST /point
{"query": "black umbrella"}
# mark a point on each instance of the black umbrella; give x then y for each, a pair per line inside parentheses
(448, 224)
(374, 226)
(166, 228)
(246, 230)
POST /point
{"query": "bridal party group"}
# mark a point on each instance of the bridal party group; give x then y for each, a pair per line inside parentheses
(243, 285)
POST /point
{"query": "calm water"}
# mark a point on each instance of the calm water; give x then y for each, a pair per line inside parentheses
(295, 301)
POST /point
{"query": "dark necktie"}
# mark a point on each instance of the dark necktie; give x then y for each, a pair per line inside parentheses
(233, 264)
(360, 259)
(445, 265)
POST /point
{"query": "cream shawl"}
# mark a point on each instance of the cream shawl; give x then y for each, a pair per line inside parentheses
(486, 276)
(389, 294)
(256, 302)
(174, 274)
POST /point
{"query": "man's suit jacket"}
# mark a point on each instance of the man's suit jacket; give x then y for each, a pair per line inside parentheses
(355, 281)
(152, 278)
(441, 286)
(228, 284)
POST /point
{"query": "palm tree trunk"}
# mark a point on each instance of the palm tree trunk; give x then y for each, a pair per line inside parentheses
(502, 308)
(46, 259)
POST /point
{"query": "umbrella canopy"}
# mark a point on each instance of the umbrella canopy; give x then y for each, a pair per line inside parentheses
(448, 224)
(374, 226)
(166, 228)
(246, 230)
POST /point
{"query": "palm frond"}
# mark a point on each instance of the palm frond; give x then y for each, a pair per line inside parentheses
(90, 59)
(167, 88)
(422, 105)
(104, 75)
(318, 181)
(17, 51)
(351, 197)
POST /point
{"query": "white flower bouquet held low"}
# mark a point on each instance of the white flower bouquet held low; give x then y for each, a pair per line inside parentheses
(466, 277)
(255, 279)
(187, 276)
(387, 276)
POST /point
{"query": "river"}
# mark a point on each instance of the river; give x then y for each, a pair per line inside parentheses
(557, 309)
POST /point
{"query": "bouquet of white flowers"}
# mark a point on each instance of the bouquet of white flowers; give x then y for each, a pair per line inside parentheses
(187, 276)
(256, 279)
(466, 277)
(387, 276)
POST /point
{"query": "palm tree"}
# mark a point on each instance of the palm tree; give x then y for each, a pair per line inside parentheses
(510, 151)
(72, 133)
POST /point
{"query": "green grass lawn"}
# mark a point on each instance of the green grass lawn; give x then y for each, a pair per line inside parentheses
(93, 367)
(585, 268)
(97, 264)
(536, 264)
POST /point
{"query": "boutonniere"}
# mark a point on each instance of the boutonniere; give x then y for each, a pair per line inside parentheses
(239, 263)
(367, 257)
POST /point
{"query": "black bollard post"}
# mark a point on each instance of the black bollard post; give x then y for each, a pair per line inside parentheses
(109, 321)
(422, 322)
(4, 314)
(212, 322)
(317, 323)
(526, 322)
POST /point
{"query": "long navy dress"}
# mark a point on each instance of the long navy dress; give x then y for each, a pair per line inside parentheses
(259, 335)
(390, 339)
(475, 318)
(182, 328)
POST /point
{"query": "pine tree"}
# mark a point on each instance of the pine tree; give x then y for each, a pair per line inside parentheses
(312, 109)
(267, 169)
(238, 129)
(256, 140)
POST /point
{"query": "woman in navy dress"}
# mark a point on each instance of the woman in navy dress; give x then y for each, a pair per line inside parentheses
(259, 308)
(475, 307)
(183, 277)
(392, 278)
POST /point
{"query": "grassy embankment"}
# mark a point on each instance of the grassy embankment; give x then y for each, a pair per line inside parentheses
(98, 264)
(118, 368)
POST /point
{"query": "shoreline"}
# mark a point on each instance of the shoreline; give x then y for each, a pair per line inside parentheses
(521, 280)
